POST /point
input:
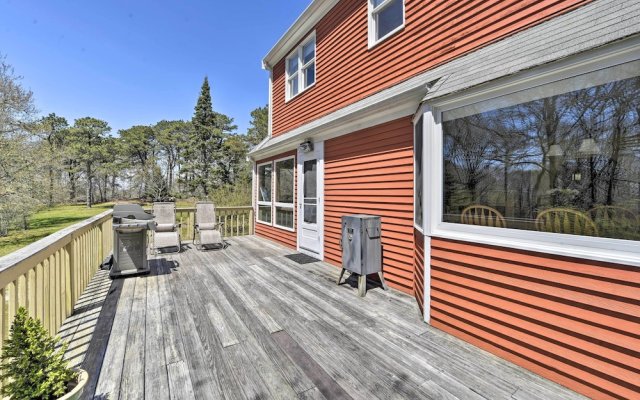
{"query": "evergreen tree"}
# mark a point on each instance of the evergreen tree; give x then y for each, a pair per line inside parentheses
(204, 147)
(259, 128)
(32, 362)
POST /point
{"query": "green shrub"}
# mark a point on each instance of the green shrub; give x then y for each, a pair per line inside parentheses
(30, 365)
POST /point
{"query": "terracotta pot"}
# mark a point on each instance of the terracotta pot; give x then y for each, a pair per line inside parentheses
(76, 392)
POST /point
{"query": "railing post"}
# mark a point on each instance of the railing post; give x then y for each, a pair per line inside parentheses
(251, 222)
(71, 251)
(101, 250)
(3, 322)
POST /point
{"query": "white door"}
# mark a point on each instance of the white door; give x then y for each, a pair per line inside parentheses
(310, 206)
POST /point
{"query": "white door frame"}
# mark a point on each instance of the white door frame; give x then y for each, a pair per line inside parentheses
(317, 153)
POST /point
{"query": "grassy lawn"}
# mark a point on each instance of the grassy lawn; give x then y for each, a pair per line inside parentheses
(46, 222)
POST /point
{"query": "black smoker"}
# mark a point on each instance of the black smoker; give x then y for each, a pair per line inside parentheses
(361, 248)
(130, 226)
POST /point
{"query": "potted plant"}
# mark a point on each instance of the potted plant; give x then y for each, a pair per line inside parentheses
(32, 365)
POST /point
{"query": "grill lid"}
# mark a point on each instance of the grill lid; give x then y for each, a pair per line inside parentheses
(130, 211)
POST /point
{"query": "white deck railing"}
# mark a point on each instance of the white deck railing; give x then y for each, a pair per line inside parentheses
(48, 276)
(238, 221)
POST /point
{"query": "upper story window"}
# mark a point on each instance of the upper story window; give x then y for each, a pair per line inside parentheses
(301, 68)
(386, 17)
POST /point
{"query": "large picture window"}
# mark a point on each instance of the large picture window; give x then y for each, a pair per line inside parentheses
(284, 193)
(563, 157)
(301, 68)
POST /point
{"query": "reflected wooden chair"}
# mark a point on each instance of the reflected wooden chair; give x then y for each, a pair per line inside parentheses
(615, 221)
(566, 220)
(482, 215)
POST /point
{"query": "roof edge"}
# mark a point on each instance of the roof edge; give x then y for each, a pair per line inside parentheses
(398, 101)
(296, 32)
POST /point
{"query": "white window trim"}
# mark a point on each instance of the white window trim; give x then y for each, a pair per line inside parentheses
(300, 72)
(416, 118)
(372, 28)
(261, 202)
(290, 206)
(270, 110)
(619, 251)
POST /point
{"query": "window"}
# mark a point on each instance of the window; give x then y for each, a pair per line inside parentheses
(386, 17)
(562, 158)
(301, 68)
(546, 160)
(418, 173)
(264, 193)
(310, 191)
(276, 207)
(284, 193)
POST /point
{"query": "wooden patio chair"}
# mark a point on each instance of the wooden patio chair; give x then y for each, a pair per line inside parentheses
(166, 232)
(482, 215)
(566, 220)
(207, 230)
(615, 221)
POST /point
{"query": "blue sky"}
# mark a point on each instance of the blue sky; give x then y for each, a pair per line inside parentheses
(137, 62)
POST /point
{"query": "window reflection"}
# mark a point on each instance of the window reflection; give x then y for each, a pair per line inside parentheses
(561, 158)
(264, 179)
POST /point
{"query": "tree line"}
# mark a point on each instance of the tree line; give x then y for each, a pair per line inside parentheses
(48, 160)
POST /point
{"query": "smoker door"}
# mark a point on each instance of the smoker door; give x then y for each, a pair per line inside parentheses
(351, 245)
(371, 246)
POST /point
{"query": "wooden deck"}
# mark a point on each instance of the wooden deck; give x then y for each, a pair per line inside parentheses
(246, 322)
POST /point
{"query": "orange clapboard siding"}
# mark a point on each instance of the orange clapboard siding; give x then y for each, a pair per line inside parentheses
(573, 321)
(418, 272)
(435, 32)
(282, 236)
(386, 153)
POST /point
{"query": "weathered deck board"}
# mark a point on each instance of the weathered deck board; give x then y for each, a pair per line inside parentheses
(156, 384)
(246, 322)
